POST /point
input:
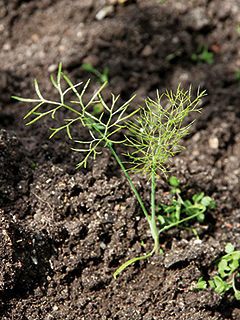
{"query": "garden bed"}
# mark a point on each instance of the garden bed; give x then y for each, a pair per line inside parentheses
(66, 231)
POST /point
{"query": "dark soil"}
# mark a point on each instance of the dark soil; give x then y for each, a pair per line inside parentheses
(64, 231)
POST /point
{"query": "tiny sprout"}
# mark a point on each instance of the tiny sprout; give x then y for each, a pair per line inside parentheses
(228, 271)
(174, 55)
(237, 28)
(237, 75)
(102, 77)
(203, 55)
(154, 134)
(33, 166)
(170, 216)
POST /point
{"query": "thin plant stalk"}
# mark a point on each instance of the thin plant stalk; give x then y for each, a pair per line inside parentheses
(151, 220)
(130, 182)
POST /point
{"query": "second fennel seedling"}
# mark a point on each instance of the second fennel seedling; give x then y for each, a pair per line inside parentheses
(154, 135)
(228, 269)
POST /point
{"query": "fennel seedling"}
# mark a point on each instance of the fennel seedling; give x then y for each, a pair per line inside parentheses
(154, 133)
(228, 269)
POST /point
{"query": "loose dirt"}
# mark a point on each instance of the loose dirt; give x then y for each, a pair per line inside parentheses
(65, 231)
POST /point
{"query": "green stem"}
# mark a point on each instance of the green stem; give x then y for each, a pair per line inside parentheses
(185, 219)
(153, 194)
(130, 181)
(129, 262)
(152, 222)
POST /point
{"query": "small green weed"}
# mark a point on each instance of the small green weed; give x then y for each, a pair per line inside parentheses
(102, 77)
(154, 135)
(237, 75)
(33, 166)
(203, 55)
(170, 216)
(172, 56)
(237, 28)
(228, 271)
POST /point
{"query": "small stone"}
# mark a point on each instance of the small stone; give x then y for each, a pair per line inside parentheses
(117, 207)
(52, 68)
(7, 47)
(62, 48)
(197, 241)
(104, 12)
(213, 142)
(112, 2)
(197, 18)
(35, 37)
(196, 137)
(147, 51)
(122, 1)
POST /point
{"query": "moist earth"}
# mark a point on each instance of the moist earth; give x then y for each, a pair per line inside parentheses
(65, 231)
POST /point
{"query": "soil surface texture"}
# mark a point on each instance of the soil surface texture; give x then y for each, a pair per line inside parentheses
(64, 232)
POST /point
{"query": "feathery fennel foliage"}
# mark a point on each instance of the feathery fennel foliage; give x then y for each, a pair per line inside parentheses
(154, 133)
(157, 130)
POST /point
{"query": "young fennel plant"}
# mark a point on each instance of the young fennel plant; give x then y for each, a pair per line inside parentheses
(154, 135)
